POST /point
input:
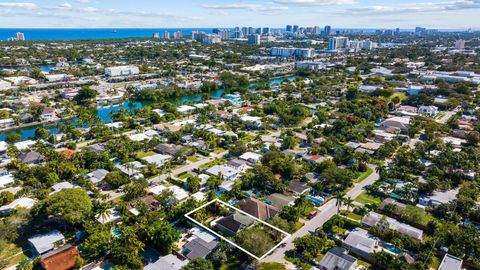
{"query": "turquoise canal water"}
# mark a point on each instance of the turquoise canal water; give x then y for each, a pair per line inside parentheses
(104, 113)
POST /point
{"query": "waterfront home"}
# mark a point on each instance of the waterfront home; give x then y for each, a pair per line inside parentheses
(24, 145)
(6, 123)
(3, 147)
(43, 243)
(337, 258)
(48, 114)
(97, 148)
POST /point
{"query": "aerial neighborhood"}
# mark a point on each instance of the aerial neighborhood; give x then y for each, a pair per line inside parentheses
(245, 148)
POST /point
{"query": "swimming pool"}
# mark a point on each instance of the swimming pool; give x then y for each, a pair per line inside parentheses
(318, 201)
(391, 248)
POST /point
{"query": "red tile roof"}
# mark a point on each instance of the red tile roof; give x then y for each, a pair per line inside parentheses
(61, 259)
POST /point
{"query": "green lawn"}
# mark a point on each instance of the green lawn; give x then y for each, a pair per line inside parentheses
(364, 175)
(364, 198)
(184, 175)
(352, 215)
(193, 158)
(141, 154)
(11, 253)
(218, 150)
(231, 265)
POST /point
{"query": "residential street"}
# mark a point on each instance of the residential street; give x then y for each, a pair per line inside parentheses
(326, 211)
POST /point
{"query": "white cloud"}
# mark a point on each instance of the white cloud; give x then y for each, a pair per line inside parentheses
(248, 7)
(415, 8)
(84, 1)
(65, 5)
(314, 2)
(24, 5)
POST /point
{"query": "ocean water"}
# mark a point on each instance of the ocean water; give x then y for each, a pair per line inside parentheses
(94, 33)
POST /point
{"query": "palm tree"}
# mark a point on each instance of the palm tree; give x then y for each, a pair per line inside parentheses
(339, 197)
(381, 170)
(348, 202)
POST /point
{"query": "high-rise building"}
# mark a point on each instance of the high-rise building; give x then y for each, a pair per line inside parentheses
(335, 43)
(211, 39)
(460, 44)
(178, 35)
(316, 30)
(266, 31)
(295, 28)
(420, 31)
(166, 35)
(20, 36)
(327, 30)
(156, 35)
(289, 28)
(254, 39)
(198, 35)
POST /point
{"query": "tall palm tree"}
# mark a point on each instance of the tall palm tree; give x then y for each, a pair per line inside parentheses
(339, 196)
(348, 202)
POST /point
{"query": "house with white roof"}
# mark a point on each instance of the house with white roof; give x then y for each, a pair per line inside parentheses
(24, 202)
(428, 110)
(6, 179)
(450, 262)
(111, 216)
(97, 175)
(185, 109)
(229, 173)
(179, 193)
(396, 123)
(44, 243)
(61, 186)
(251, 157)
(360, 242)
(3, 147)
(24, 145)
(159, 160)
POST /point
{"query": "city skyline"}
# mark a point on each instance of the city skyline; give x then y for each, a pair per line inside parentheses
(215, 13)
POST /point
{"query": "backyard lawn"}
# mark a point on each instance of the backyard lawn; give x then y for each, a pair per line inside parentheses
(193, 158)
(364, 198)
(141, 155)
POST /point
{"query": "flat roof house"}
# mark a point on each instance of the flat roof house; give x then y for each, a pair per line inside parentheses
(97, 175)
(168, 262)
(229, 173)
(373, 219)
(44, 243)
(450, 262)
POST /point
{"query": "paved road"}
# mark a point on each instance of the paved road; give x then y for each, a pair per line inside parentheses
(448, 114)
(188, 167)
(327, 211)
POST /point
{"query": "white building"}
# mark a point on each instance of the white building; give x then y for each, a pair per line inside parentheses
(159, 160)
(26, 203)
(121, 71)
(4, 85)
(291, 52)
(460, 44)
(229, 173)
(336, 43)
(428, 110)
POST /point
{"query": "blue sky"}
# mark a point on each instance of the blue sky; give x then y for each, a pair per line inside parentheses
(446, 14)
